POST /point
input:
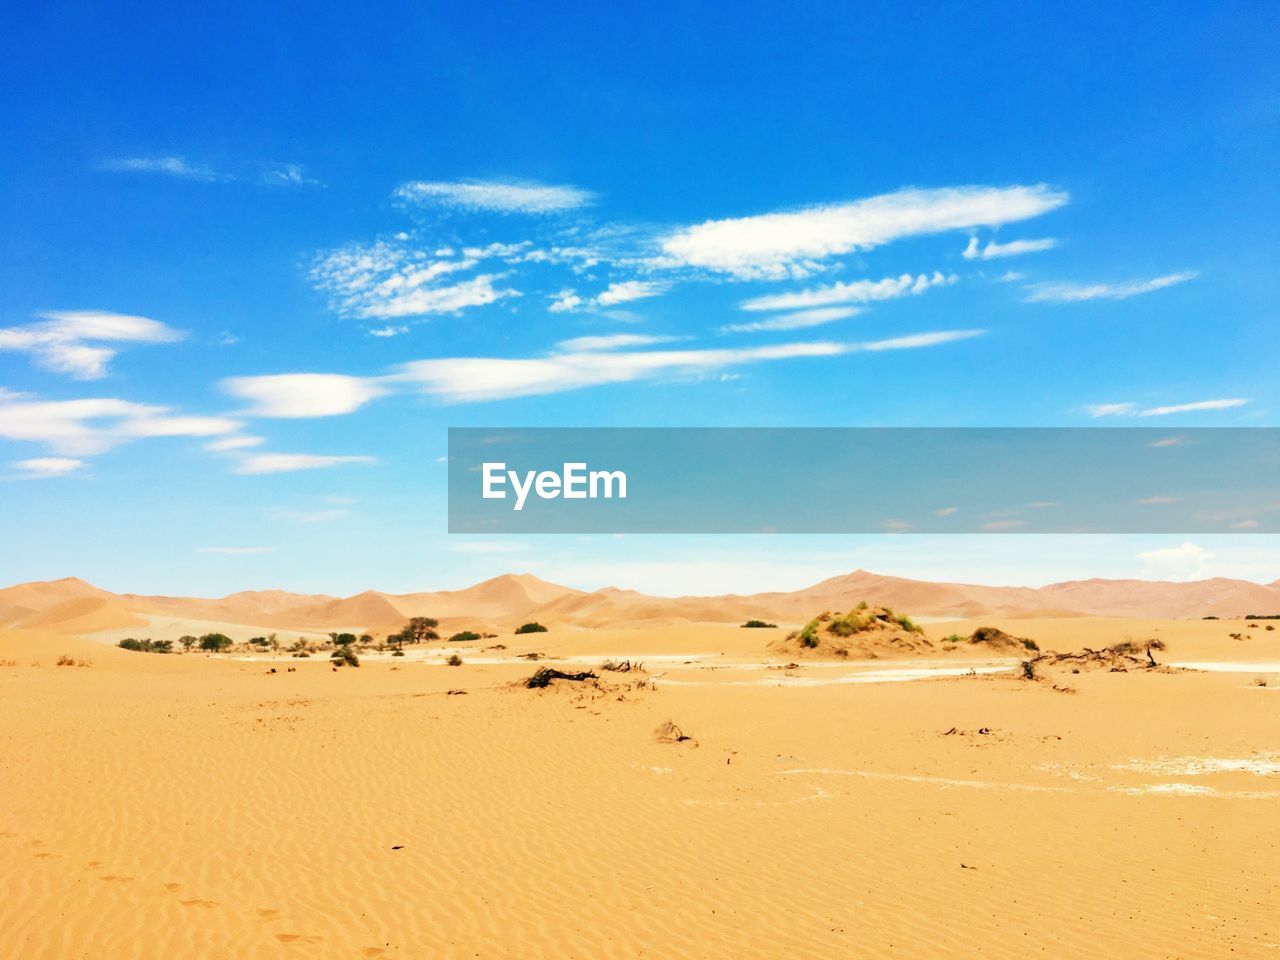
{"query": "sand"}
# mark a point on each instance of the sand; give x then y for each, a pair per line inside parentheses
(190, 806)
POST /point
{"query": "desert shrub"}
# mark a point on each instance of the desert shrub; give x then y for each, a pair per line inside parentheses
(1028, 670)
(907, 624)
(809, 635)
(215, 642)
(453, 660)
(953, 638)
(397, 652)
(531, 628)
(259, 641)
(146, 646)
(1030, 644)
(344, 656)
(862, 604)
(464, 636)
(65, 661)
(758, 625)
(621, 666)
(300, 654)
(342, 639)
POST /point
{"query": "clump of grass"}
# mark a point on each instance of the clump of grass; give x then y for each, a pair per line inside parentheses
(953, 638)
(809, 635)
(65, 661)
(344, 656)
(453, 660)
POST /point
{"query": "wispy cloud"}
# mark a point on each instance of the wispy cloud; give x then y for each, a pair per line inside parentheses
(40, 467)
(1158, 501)
(466, 380)
(1110, 409)
(179, 167)
(994, 250)
(858, 291)
(612, 341)
(294, 395)
(1132, 410)
(234, 443)
(1195, 407)
(91, 426)
(496, 196)
(799, 320)
(260, 463)
(624, 291)
(385, 281)
(1076, 292)
(171, 166)
(70, 341)
(778, 245)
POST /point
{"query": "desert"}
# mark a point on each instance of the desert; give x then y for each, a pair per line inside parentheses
(697, 793)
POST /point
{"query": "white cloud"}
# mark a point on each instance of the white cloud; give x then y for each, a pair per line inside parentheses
(565, 301)
(68, 341)
(629, 290)
(294, 395)
(794, 321)
(1185, 562)
(388, 331)
(471, 379)
(993, 250)
(235, 551)
(1157, 501)
(49, 466)
(1194, 407)
(1075, 292)
(858, 291)
(384, 281)
(779, 245)
(234, 443)
(496, 196)
(624, 291)
(1096, 410)
(1169, 442)
(173, 166)
(260, 463)
(86, 427)
(612, 341)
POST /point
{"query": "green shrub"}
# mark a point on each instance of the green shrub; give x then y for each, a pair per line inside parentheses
(215, 642)
(464, 636)
(344, 656)
(531, 628)
(146, 646)
(453, 660)
(758, 625)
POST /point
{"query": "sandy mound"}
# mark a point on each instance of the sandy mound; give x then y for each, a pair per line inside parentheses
(996, 640)
(865, 632)
(83, 615)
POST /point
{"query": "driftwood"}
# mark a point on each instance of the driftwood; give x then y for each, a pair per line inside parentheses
(544, 677)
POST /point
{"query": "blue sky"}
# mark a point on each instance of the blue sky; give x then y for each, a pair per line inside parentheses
(255, 262)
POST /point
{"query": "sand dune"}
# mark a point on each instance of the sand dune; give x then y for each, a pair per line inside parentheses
(506, 600)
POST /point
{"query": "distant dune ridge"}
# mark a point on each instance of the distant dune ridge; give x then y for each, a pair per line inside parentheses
(73, 606)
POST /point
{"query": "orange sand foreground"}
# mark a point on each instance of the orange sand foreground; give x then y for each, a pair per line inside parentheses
(192, 806)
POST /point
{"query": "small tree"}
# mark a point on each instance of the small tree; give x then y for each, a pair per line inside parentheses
(342, 639)
(420, 629)
(215, 642)
(187, 642)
